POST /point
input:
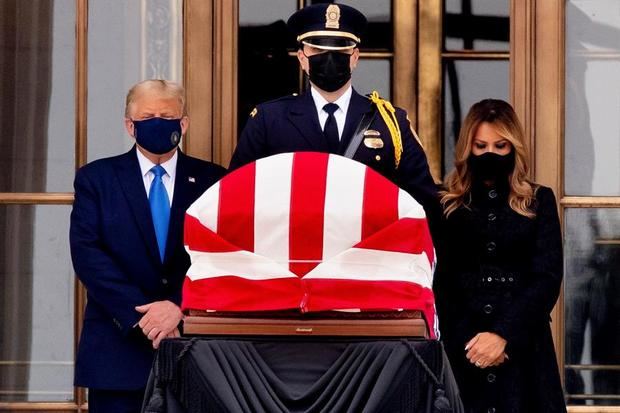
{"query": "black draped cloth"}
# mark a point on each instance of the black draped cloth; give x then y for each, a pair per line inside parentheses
(300, 375)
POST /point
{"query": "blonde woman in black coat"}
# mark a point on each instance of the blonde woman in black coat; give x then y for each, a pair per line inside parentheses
(499, 270)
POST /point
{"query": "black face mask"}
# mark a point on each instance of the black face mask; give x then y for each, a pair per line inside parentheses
(158, 135)
(491, 167)
(330, 71)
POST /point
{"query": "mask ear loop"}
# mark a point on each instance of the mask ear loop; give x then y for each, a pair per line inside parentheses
(307, 73)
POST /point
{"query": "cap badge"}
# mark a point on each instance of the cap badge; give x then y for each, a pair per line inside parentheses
(332, 17)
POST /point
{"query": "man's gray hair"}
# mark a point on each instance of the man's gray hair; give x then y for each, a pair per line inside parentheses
(161, 87)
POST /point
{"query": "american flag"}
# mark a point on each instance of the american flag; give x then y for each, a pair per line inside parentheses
(308, 231)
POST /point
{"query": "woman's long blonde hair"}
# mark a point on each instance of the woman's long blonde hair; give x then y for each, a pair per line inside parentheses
(503, 119)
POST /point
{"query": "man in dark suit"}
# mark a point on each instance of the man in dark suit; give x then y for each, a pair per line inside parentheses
(127, 246)
(327, 117)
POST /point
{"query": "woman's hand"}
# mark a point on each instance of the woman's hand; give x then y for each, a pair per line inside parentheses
(502, 357)
(486, 349)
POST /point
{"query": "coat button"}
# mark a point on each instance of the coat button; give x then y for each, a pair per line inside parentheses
(491, 410)
(492, 194)
(491, 378)
(491, 246)
(491, 217)
(488, 309)
(164, 281)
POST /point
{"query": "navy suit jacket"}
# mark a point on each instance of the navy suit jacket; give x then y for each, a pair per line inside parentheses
(115, 255)
(291, 124)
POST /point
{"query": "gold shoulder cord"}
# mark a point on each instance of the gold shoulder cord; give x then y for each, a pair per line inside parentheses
(388, 113)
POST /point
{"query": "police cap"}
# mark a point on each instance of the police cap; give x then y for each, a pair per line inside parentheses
(328, 26)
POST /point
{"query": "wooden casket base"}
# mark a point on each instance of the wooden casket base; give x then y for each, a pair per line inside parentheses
(332, 323)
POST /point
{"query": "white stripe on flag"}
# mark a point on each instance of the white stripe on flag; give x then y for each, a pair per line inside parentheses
(272, 202)
(342, 226)
(241, 263)
(206, 207)
(408, 207)
(376, 265)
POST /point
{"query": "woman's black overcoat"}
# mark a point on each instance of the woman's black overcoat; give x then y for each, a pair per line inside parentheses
(500, 272)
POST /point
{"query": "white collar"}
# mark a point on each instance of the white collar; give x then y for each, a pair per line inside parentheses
(146, 165)
(342, 102)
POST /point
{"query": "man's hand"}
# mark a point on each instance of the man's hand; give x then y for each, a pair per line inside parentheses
(173, 334)
(486, 349)
(160, 319)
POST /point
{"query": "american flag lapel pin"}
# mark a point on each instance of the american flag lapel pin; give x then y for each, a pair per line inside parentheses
(191, 179)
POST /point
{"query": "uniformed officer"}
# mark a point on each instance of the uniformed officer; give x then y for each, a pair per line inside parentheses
(332, 116)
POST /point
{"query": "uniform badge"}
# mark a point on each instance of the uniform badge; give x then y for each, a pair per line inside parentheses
(332, 17)
(254, 112)
(372, 139)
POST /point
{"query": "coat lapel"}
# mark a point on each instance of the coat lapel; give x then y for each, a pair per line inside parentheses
(182, 190)
(358, 106)
(132, 185)
(303, 115)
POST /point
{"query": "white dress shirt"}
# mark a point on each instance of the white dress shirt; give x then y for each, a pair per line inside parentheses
(340, 114)
(168, 179)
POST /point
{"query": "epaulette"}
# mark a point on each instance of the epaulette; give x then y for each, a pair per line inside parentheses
(254, 111)
(388, 113)
(282, 98)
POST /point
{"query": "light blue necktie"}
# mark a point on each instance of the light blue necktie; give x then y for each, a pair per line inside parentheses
(160, 208)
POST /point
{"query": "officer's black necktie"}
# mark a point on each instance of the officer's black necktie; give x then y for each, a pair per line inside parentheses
(331, 128)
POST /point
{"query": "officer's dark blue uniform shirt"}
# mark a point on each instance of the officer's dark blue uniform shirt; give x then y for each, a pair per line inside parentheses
(291, 124)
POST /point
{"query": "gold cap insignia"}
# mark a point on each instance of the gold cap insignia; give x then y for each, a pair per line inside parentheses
(332, 17)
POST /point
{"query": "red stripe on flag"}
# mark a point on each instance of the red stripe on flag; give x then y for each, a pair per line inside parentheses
(200, 238)
(332, 294)
(235, 221)
(380, 204)
(230, 293)
(408, 235)
(308, 183)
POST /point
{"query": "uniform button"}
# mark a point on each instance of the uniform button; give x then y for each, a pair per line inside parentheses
(492, 194)
(491, 246)
(491, 410)
(378, 157)
(503, 279)
(488, 309)
(491, 217)
(491, 378)
(164, 281)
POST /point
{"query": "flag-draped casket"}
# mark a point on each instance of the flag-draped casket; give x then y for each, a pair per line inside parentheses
(308, 231)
